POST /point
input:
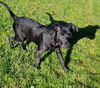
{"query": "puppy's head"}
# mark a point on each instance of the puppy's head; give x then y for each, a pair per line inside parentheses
(72, 27)
(62, 36)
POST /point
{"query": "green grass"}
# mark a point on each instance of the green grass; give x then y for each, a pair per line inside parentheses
(16, 66)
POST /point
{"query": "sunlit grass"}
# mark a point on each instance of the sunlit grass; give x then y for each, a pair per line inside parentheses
(16, 66)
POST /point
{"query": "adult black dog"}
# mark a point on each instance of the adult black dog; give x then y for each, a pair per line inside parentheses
(46, 38)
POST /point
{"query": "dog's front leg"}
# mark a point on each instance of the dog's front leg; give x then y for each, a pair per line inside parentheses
(60, 57)
(38, 57)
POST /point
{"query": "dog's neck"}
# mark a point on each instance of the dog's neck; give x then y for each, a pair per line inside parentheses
(55, 42)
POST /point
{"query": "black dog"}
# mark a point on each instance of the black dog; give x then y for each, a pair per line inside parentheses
(46, 38)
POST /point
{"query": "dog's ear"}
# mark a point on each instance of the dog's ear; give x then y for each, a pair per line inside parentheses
(56, 27)
(73, 27)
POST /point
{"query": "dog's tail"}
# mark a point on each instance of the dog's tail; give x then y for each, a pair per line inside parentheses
(9, 10)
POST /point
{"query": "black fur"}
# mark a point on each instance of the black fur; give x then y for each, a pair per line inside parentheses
(46, 38)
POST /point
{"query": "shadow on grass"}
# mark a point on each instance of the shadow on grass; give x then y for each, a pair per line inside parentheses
(88, 31)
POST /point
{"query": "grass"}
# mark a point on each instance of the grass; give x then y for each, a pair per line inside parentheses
(16, 66)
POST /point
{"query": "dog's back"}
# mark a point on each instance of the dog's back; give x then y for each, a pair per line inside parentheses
(28, 28)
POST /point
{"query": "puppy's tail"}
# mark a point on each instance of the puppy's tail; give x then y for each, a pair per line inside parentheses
(9, 10)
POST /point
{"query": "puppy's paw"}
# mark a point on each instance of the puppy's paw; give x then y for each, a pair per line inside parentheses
(37, 66)
(11, 46)
(66, 69)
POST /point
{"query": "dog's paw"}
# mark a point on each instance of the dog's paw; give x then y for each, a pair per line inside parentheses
(11, 46)
(37, 66)
(24, 49)
(66, 69)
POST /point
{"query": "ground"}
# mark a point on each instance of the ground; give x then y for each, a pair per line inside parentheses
(17, 66)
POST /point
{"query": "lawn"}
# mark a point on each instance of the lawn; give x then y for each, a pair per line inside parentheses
(17, 66)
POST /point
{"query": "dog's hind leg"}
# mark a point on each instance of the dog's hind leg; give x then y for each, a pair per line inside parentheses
(19, 36)
(11, 39)
(20, 41)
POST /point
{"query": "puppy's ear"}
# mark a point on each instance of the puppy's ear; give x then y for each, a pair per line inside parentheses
(73, 27)
(55, 27)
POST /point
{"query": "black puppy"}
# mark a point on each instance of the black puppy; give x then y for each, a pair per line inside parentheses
(46, 38)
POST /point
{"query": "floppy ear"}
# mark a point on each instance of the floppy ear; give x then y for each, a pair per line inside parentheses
(55, 27)
(73, 27)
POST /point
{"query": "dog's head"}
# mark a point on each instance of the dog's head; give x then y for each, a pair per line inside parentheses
(62, 36)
